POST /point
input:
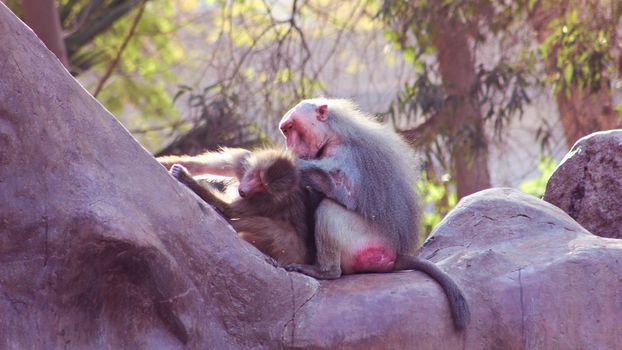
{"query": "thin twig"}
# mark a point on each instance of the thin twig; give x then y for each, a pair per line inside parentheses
(116, 60)
(173, 125)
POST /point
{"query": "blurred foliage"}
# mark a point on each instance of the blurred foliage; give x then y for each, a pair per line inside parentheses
(433, 106)
(143, 74)
(85, 20)
(94, 32)
(537, 187)
(437, 199)
(580, 56)
(500, 92)
(500, 88)
(574, 48)
(15, 6)
(579, 46)
(265, 55)
(216, 122)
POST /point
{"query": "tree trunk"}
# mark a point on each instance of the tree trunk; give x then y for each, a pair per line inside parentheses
(42, 17)
(582, 113)
(470, 151)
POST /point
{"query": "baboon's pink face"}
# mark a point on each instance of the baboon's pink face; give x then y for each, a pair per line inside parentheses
(306, 131)
(251, 184)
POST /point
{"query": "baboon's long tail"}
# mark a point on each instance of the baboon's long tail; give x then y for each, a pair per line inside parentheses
(457, 302)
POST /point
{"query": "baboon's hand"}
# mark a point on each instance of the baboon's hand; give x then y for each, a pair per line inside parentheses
(272, 261)
(178, 171)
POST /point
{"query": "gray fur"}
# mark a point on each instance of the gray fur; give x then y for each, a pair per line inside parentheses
(372, 173)
(381, 169)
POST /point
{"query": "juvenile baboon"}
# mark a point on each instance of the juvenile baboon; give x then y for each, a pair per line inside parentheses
(369, 219)
(271, 210)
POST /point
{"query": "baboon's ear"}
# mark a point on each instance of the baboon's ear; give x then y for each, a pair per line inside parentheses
(280, 168)
(321, 113)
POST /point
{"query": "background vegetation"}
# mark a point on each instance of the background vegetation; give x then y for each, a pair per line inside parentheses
(453, 76)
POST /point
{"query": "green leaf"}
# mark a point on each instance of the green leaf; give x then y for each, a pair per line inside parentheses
(390, 36)
(568, 71)
(409, 55)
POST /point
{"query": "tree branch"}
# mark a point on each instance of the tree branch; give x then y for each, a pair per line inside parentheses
(424, 133)
(115, 62)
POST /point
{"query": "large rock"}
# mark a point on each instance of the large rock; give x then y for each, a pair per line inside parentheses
(588, 183)
(535, 279)
(100, 248)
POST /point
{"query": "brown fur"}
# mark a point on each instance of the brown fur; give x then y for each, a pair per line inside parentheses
(226, 162)
(272, 216)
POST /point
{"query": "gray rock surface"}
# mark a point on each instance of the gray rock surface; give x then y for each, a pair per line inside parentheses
(588, 183)
(534, 278)
(101, 249)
